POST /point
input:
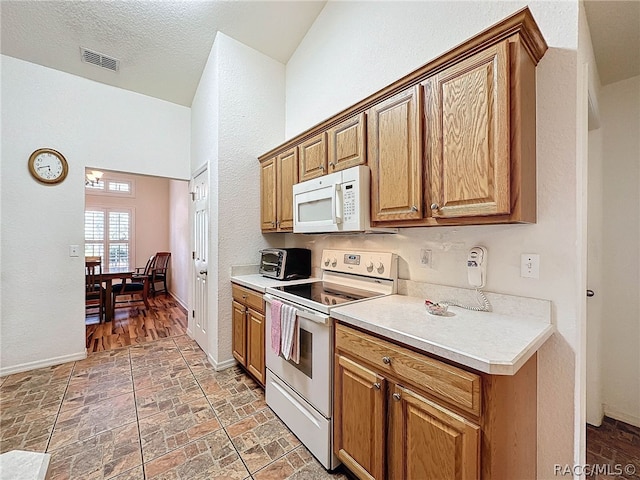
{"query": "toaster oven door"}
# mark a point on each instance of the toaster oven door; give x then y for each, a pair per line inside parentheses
(271, 262)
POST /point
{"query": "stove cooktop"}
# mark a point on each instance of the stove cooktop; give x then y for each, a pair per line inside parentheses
(326, 293)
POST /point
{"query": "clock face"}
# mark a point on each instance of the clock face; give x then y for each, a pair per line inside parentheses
(48, 166)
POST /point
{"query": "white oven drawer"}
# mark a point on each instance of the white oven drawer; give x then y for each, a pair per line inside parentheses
(312, 428)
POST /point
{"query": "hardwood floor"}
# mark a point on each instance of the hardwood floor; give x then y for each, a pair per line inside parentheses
(136, 325)
(617, 444)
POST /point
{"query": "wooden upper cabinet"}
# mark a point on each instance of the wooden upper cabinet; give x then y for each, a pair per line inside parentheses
(313, 157)
(268, 212)
(395, 157)
(467, 136)
(286, 177)
(347, 145)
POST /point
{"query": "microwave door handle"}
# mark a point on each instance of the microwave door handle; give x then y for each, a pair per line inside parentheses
(335, 204)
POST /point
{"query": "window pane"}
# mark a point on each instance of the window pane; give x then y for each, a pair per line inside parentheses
(99, 185)
(94, 250)
(118, 256)
(93, 225)
(118, 226)
(124, 187)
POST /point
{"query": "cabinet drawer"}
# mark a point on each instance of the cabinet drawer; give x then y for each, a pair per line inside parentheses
(247, 297)
(457, 386)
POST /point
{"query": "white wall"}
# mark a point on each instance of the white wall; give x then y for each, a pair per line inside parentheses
(179, 238)
(620, 119)
(240, 102)
(42, 316)
(354, 49)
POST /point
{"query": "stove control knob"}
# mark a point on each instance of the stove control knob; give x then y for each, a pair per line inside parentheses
(326, 262)
(369, 266)
(380, 267)
(334, 262)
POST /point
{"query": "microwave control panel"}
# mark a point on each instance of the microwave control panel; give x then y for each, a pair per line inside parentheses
(349, 209)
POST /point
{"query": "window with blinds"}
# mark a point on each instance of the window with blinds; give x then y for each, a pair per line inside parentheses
(107, 185)
(107, 232)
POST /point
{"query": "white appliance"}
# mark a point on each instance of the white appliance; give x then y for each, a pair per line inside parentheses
(338, 202)
(301, 393)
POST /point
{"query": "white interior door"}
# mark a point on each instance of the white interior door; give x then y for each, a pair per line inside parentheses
(200, 259)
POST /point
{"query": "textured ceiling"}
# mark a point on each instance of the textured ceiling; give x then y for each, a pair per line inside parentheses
(615, 34)
(162, 45)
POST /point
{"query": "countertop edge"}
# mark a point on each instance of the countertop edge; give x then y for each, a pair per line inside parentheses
(491, 367)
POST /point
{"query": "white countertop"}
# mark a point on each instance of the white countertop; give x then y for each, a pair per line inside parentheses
(24, 465)
(259, 283)
(494, 343)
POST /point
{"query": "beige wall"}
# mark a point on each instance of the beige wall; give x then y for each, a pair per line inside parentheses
(620, 119)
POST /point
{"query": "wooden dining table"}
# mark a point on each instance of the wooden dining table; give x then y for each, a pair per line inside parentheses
(107, 278)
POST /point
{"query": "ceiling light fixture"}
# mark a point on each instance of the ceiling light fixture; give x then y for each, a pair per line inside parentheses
(93, 177)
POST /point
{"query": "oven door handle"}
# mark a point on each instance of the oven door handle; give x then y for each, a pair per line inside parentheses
(301, 312)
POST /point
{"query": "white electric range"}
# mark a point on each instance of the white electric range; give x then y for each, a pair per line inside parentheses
(301, 393)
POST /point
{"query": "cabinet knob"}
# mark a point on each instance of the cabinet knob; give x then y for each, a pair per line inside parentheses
(244, 297)
(331, 164)
(376, 385)
(435, 206)
(322, 167)
(386, 360)
(273, 224)
(414, 208)
(396, 397)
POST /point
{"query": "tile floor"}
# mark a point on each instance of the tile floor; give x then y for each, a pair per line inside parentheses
(152, 411)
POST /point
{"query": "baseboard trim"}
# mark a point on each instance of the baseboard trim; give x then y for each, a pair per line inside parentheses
(25, 367)
(623, 417)
(180, 302)
(217, 366)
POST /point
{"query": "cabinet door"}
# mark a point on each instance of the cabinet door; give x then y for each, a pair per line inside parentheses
(428, 441)
(313, 157)
(255, 345)
(287, 176)
(268, 195)
(467, 141)
(239, 320)
(346, 143)
(359, 418)
(395, 157)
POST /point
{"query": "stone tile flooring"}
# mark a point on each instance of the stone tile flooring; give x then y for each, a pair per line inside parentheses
(152, 411)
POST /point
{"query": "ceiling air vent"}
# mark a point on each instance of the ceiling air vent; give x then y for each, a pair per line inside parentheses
(99, 60)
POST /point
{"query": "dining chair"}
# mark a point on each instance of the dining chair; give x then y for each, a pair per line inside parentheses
(94, 291)
(134, 285)
(160, 272)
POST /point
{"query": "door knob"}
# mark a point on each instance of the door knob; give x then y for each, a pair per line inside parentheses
(203, 272)
(590, 293)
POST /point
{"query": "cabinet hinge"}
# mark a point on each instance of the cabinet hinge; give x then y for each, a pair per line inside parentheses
(193, 255)
(193, 313)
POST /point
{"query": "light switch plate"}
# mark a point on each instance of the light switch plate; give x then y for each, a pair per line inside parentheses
(530, 265)
(74, 250)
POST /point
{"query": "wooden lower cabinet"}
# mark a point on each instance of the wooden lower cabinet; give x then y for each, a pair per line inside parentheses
(248, 323)
(428, 440)
(359, 411)
(388, 426)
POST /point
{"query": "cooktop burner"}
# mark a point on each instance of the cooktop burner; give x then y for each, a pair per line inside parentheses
(326, 293)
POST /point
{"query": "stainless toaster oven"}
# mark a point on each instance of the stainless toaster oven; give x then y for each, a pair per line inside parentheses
(285, 263)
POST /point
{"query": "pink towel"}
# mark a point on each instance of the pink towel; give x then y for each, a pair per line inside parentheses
(276, 307)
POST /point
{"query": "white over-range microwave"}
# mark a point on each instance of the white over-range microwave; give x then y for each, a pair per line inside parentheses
(338, 202)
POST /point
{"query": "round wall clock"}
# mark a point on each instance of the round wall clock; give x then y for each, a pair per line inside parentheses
(48, 166)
